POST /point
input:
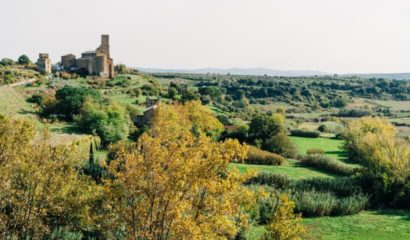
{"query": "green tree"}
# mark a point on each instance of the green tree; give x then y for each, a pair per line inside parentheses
(108, 120)
(70, 100)
(6, 62)
(24, 60)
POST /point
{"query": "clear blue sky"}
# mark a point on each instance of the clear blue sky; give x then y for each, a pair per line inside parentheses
(329, 35)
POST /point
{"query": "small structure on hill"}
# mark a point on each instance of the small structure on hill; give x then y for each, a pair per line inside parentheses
(96, 62)
(44, 63)
(148, 114)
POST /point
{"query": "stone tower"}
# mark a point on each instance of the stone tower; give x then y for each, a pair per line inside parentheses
(105, 44)
(44, 63)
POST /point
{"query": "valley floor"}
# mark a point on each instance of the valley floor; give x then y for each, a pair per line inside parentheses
(367, 225)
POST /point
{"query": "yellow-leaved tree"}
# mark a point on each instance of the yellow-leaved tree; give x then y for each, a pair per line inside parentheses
(41, 189)
(175, 182)
(385, 157)
(285, 224)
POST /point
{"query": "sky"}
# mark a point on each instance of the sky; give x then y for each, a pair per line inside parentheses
(335, 36)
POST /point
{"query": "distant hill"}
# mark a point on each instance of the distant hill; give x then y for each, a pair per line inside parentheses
(237, 71)
(397, 76)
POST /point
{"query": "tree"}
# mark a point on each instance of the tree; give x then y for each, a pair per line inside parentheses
(189, 95)
(172, 92)
(264, 127)
(6, 62)
(41, 187)
(175, 183)
(285, 225)
(386, 159)
(24, 60)
(106, 119)
(70, 100)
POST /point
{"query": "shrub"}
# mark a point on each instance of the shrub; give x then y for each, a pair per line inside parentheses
(70, 100)
(258, 156)
(323, 128)
(313, 203)
(278, 181)
(351, 205)
(326, 163)
(304, 133)
(353, 113)
(340, 186)
(313, 197)
(281, 144)
(315, 151)
(109, 121)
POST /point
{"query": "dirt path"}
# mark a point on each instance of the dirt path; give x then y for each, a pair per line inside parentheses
(22, 83)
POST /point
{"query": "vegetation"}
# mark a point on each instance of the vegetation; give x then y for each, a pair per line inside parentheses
(304, 133)
(189, 174)
(258, 156)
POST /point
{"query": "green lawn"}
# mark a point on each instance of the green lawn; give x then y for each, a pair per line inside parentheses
(291, 169)
(368, 225)
(332, 147)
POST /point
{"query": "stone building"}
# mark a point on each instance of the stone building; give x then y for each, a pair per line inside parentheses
(44, 63)
(148, 114)
(96, 62)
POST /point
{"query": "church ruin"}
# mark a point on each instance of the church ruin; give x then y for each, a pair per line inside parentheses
(96, 62)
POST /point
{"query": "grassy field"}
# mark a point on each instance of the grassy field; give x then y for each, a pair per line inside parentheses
(12, 103)
(332, 147)
(291, 169)
(368, 225)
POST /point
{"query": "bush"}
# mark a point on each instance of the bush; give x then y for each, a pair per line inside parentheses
(258, 156)
(304, 133)
(326, 163)
(107, 120)
(313, 204)
(70, 100)
(281, 144)
(351, 205)
(315, 151)
(278, 181)
(313, 197)
(354, 113)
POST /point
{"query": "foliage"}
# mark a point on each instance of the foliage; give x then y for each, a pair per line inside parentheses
(23, 60)
(175, 184)
(108, 120)
(70, 100)
(6, 62)
(304, 133)
(315, 151)
(285, 225)
(313, 203)
(268, 132)
(386, 159)
(41, 187)
(258, 156)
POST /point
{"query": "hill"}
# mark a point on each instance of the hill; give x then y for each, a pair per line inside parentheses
(237, 71)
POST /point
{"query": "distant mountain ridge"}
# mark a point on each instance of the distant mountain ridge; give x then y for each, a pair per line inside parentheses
(238, 71)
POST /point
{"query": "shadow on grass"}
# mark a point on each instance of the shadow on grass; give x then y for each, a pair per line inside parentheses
(402, 214)
(298, 164)
(26, 112)
(68, 129)
(342, 156)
